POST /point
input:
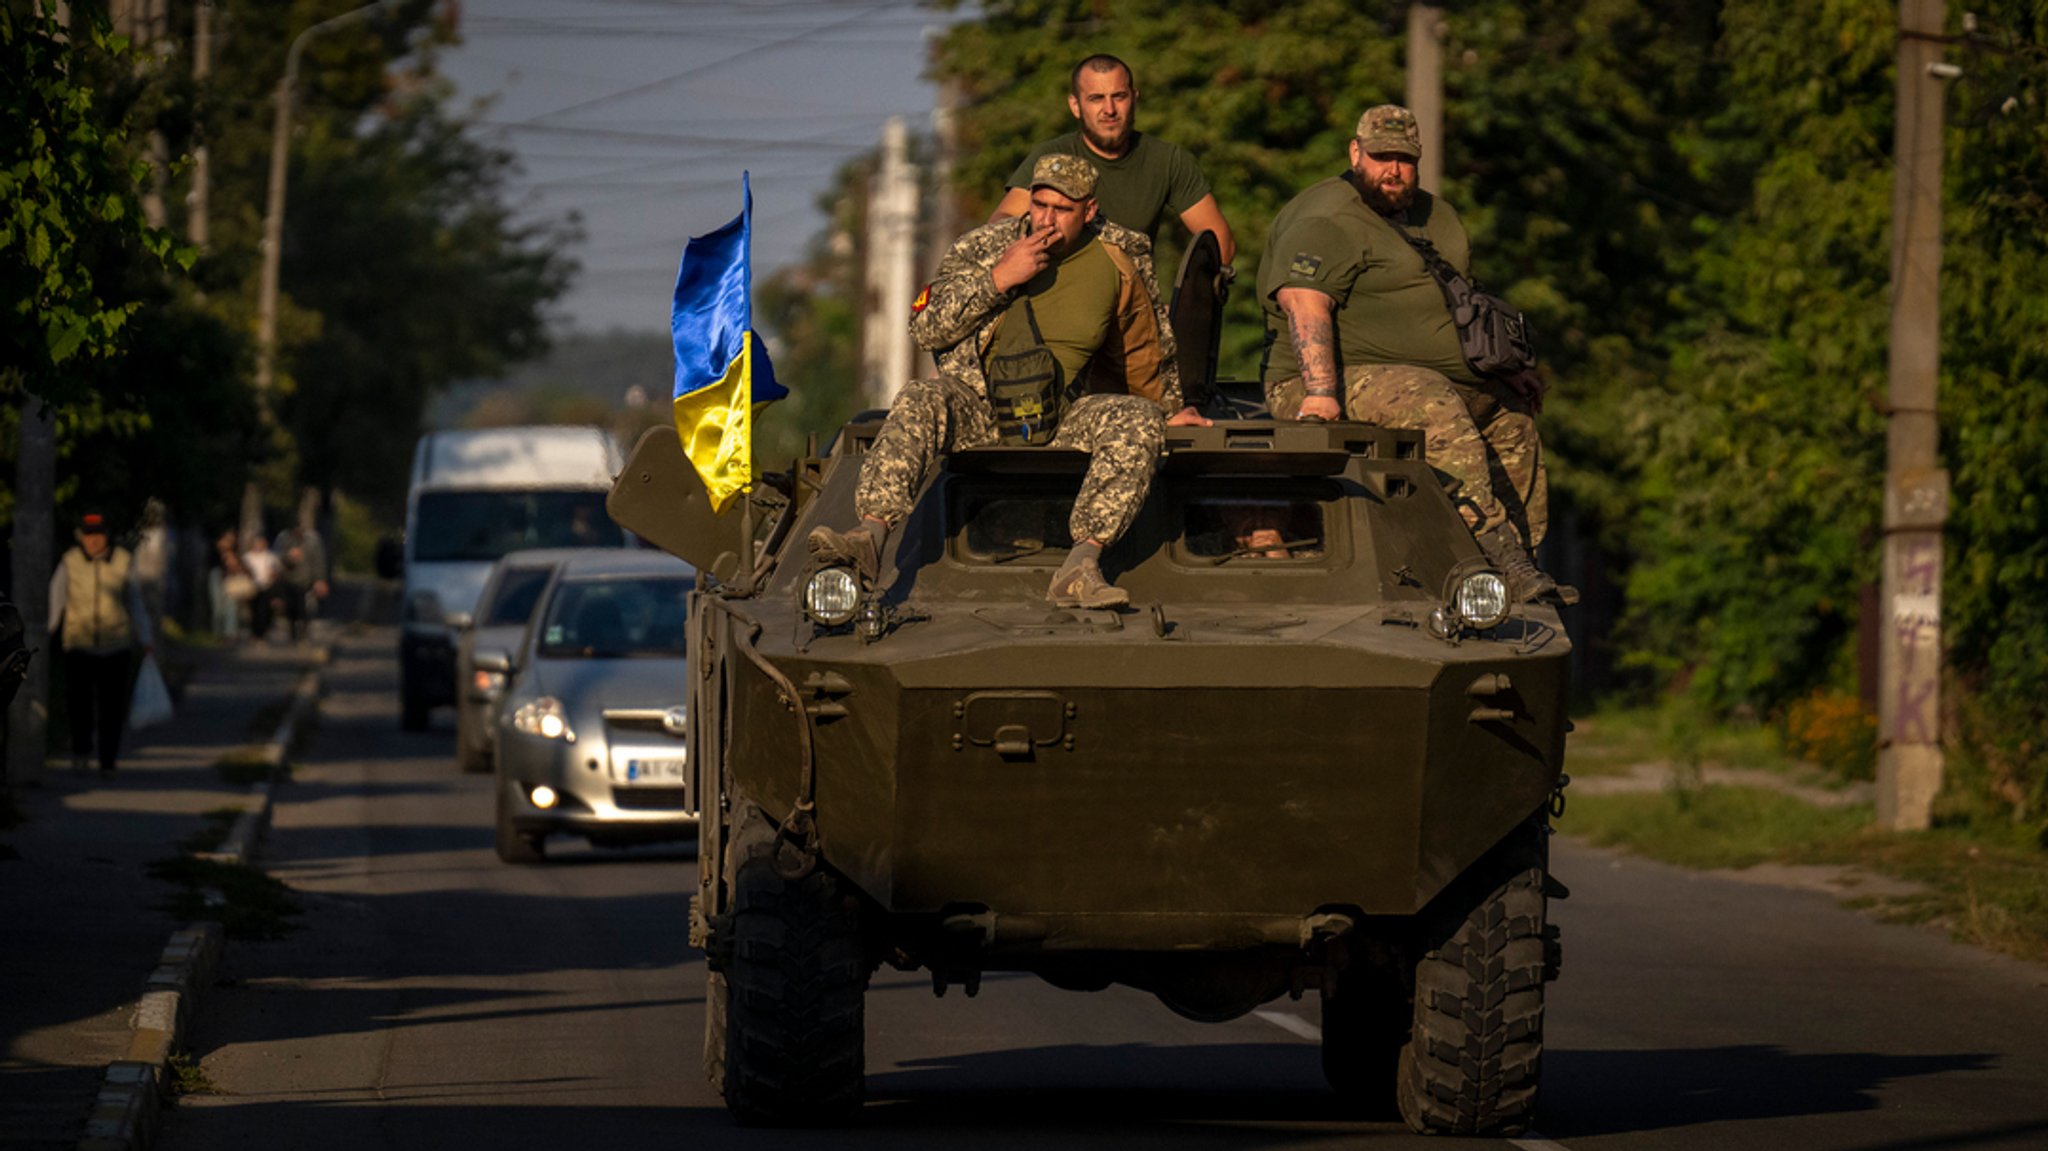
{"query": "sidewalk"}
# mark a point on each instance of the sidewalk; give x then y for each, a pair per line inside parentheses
(84, 925)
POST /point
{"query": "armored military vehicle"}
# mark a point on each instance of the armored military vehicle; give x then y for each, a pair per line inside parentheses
(1316, 754)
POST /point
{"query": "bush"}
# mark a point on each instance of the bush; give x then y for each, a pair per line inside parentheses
(1997, 769)
(1833, 732)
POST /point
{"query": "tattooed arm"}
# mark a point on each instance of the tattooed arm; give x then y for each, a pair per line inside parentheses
(1309, 322)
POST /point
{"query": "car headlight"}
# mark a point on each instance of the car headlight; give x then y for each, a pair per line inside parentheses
(832, 596)
(1482, 599)
(543, 717)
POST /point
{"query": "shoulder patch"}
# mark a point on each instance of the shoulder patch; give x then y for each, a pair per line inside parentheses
(924, 298)
(1305, 265)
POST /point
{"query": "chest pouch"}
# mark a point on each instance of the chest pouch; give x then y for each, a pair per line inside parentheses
(1024, 384)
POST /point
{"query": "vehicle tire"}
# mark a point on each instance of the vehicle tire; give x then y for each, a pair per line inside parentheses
(716, 993)
(515, 846)
(1473, 1062)
(413, 712)
(1366, 1021)
(795, 1019)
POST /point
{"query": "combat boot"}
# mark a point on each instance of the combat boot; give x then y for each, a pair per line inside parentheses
(861, 547)
(1527, 583)
(1080, 582)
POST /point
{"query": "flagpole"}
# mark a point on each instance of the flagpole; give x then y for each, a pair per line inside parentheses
(747, 537)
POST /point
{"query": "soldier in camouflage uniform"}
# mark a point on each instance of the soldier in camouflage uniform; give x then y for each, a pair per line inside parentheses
(1357, 328)
(1116, 384)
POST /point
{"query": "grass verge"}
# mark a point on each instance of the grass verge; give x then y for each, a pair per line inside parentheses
(246, 902)
(246, 766)
(186, 1077)
(1614, 740)
(1983, 891)
(1708, 826)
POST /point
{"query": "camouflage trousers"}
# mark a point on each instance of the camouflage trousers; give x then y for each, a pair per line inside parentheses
(1123, 436)
(1480, 438)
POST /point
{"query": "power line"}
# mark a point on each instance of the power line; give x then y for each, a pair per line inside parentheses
(819, 144)
(701, 69)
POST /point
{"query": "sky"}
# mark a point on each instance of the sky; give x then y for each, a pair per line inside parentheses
(640, 115)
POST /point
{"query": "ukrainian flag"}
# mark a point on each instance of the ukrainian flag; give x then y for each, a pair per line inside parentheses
(723, 377)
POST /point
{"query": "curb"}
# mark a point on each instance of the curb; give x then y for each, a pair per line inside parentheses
(129, 1108)
(247, 834)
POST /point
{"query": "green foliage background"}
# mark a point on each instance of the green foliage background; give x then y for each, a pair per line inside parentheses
(403, 269)
(1693, 203)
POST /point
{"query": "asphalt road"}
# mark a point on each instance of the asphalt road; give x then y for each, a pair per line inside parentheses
(436, 998)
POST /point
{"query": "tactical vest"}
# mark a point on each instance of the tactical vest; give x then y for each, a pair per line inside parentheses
(95, 603)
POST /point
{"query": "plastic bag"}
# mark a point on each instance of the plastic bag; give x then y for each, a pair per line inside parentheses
(152, 702)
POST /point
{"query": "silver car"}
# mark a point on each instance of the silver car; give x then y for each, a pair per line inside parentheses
(590, 732)
(510, 593)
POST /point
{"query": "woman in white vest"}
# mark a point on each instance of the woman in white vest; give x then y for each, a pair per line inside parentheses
(97, 604)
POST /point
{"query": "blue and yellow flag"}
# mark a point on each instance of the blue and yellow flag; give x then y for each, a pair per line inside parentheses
(723, 377)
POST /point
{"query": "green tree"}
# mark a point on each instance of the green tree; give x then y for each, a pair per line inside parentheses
(1994, 411)
(811, 313)
(406, 251)
(403, 269)
(67, 205)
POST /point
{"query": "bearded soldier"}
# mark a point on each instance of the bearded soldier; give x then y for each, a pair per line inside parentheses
(1357, 328)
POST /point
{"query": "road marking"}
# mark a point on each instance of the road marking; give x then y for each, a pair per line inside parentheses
(1296, 1025)
(1292, 1024)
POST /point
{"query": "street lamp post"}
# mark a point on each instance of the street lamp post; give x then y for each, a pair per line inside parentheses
(273, 213)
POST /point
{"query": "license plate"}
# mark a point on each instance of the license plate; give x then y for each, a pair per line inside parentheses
(647, 769)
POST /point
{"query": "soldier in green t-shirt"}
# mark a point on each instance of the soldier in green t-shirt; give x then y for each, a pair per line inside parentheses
(1142, 177)
(1357, 328)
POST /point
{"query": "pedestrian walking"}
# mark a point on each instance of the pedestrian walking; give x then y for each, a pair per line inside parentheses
(97, 612)
(303, 580)
(265, 569)
(229, 587)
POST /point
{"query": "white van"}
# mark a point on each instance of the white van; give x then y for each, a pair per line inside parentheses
(475, 496)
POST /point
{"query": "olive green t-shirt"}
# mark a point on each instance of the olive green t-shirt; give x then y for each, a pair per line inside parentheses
(1075, 301)
(1138, 188)
(1388, 309)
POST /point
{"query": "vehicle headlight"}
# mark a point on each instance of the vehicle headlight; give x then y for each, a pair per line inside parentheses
(832, 596)
(1482, 599)
(1475, 599)
(543, 717)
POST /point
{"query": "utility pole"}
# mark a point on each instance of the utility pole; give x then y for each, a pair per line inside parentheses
(35, 514)
(945, 213)
(891, 271)
(1426, 90)
(273, 213)
(1909, 755)
(145, 24)
(197, 202)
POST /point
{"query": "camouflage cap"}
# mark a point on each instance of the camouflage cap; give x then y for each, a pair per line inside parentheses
(1070, 176)
(1390, 128)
